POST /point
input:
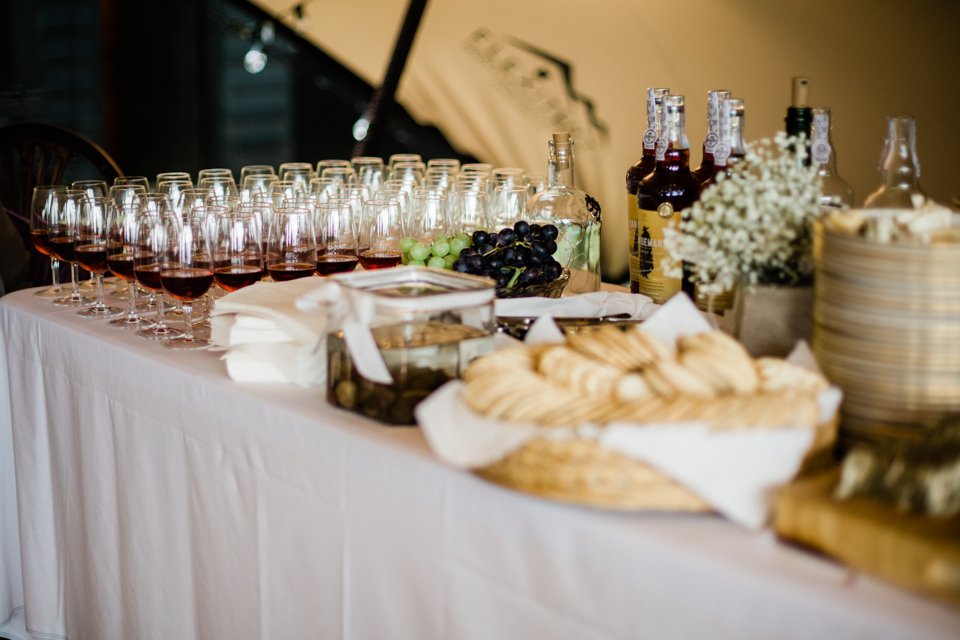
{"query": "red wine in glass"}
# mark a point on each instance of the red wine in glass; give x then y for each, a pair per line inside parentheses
(148, 276)
(92, 257)
(121, 265)
(283, 271)
(41, 241)
(237, 276)
(380, 259)
(330, 263)
(65, 248)
(186, 283)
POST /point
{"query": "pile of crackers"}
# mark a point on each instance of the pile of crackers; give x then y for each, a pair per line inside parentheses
(612, 374)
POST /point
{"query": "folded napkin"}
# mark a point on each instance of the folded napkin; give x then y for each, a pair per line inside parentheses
(267, 337)
(587, 305)
(733, 471)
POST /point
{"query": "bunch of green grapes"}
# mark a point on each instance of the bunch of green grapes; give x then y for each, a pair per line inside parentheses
(439, 254)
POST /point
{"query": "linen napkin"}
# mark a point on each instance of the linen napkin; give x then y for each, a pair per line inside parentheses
(267, 337)
(733, 471)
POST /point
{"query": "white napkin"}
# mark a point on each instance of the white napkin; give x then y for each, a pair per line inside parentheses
(733, 471)
(267, 337)
(587, 305)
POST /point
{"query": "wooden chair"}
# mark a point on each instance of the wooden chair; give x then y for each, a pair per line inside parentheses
(33, 153)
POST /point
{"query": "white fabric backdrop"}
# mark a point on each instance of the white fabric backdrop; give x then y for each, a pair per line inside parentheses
(159, 499)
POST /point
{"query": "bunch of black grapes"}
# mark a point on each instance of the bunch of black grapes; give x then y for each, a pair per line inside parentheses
(520, 256)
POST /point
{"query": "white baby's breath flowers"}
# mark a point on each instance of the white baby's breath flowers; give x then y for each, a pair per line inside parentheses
(752, 227)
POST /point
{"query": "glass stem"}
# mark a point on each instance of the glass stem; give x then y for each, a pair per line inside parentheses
(132, 294)
(100, 305)
(74, 281)
(161, 322)
(55, 273)
(188, 315)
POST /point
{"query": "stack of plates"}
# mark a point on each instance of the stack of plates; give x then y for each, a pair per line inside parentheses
(887, 331)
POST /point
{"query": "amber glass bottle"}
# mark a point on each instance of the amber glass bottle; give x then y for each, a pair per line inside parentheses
(704, 173)
(640, 170)
(662, 198)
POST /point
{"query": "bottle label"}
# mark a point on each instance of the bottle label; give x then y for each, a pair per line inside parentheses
(820, 144)
(720, 154)
(710, 142)
(650, 139)
(661, 148)
(646, 268)
(633, 241)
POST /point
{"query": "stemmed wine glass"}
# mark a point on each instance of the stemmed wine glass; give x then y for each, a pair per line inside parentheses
(430, 217)
(237, 256)
(91, 251)
(291, 250)
(63, 232)
(380, 234)
(42, 205)
(336, 238)
(121, 248)
(186, 271)
(93, 189)
(151, 240)
(142, 181)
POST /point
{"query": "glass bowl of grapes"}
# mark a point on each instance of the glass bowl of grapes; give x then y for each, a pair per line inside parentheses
(519, 258)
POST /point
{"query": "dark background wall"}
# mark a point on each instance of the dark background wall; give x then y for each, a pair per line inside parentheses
(161, 86)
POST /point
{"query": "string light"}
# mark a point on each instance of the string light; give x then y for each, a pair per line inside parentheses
(255, 59)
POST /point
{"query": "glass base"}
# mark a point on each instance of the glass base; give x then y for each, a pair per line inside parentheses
(70, 301)
(184, 343)
(50, 292)
(159, 333)
(101, 312)
(136, 322)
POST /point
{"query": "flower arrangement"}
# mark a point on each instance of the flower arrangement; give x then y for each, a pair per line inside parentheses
(753, 226)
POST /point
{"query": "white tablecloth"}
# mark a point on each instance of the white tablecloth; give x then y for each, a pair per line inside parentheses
(159, 499)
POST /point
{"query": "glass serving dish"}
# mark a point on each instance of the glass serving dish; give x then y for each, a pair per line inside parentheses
(428, 324)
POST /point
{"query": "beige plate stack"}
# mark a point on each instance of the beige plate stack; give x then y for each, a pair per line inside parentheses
(887, 331)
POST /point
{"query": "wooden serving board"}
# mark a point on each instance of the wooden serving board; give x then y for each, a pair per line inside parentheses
(916, 552)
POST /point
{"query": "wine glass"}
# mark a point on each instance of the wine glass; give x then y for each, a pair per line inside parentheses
(174, 189)
(380, 234)
(186, 272)
(255, 184)
(507, 205)
(255, 170)
(449, 165)
(143, 181)
(369, 171)
(237, 256)
(217, 172)
(93, 189)
(121, 247)
(429, 217)
(151, 241)
(468, 209)
(345, 175)
(91, 252)
(293, 166)
(336, 238)
(291, 250)
(63, 232)
(483, 168)
(42, 206)
(402, 157)
(173, 175)
(220, 186)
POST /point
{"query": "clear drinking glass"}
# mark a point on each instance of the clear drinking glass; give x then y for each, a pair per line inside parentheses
(151, 241)
(256, 183)
(91, 252)
(173, 175)
(449, 165)
(42, 206)
(255, 170)
(237, 254)
(369, 171)
(507, 205)
(293, 166)
(380, 233)
(336, 238)
(402, 157)
(186, 272)
(468, 209)
(121, 247)
(332, 164)
(430, 218)
(216, 172)
(63, 233)
(220, 186)
(143, 181)
(345, 175)
(291, 250)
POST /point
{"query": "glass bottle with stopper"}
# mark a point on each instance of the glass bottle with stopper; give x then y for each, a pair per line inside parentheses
(835, 192)
(575, 214)
(704, 173)
(899, 168)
